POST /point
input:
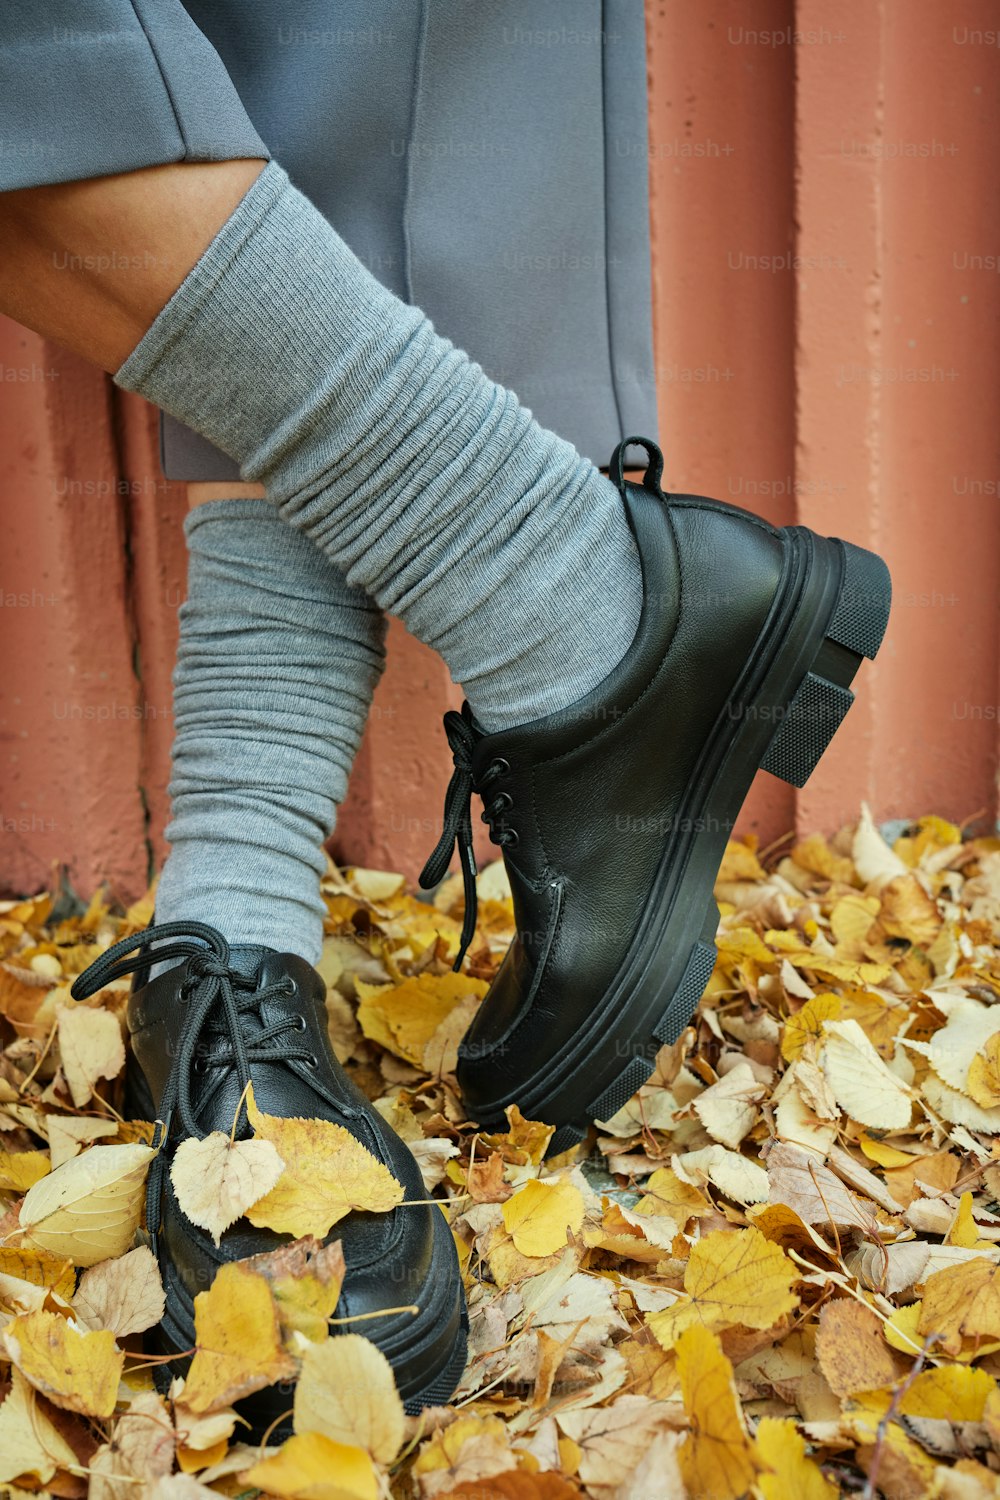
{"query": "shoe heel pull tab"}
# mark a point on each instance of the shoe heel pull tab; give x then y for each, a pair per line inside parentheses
(654, 469)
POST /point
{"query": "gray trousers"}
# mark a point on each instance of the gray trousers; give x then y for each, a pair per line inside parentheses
(486, 159)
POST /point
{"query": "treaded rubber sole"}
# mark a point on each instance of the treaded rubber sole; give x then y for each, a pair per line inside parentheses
(806, 722)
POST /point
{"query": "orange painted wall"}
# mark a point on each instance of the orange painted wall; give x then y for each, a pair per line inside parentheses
(826, 298)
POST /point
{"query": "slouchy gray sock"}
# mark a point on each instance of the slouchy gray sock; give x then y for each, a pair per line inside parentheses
(424, 480)
(276, 665)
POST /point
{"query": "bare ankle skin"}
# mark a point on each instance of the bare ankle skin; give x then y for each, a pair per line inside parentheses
(91, 263)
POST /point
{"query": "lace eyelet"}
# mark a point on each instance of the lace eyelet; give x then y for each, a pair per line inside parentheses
(503, 803)
(512, 840)
(300, 1023)
(200, 1065)
(288, 985)
(312, 1061)
(500, 766)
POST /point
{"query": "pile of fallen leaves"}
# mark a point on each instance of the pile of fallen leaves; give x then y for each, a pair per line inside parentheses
(776, 1271)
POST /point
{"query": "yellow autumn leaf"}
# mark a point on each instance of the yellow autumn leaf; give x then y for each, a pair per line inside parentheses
(807, 1024)
(89, 1208)
(347, 1391)
(78, 1371)
(238, 1345)
(789, 1472)
(217, 1179)
(962, 1300)
(327, 1174)
(983, 1080)
(305, 1278)
(851, 1350)
(666, 1195)
(948, 1394)
(524, 1141)
(39, 1267)
(731, 1277)
(20, 1170)
(964, 1231)
(884, 1155)
(404, 1017)
(717, 1459)
(540, 1215)
(901, 1329)
(310, 1466)
(31, 1446)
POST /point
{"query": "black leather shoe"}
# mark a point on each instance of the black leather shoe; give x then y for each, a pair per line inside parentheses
(199, 1032)
(613, 814)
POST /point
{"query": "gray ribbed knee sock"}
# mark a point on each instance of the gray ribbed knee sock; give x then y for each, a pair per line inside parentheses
(276, 665)
(424, 480)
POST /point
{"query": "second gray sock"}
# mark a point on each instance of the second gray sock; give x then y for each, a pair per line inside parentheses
(276, 665)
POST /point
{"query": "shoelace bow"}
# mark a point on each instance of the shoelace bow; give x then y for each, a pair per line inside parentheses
(220, 1025)
(457, 830)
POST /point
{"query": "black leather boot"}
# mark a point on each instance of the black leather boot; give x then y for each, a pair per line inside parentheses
(613, 815)
(198, 1033)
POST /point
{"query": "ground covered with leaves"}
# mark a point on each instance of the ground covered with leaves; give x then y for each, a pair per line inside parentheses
(776, 1271)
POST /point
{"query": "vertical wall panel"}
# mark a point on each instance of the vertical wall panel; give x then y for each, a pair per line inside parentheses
(70, 702)
(721, 93)
(898, 385)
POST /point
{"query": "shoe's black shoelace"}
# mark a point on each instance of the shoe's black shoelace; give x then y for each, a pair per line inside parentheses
(221, 1029)
(462, 738)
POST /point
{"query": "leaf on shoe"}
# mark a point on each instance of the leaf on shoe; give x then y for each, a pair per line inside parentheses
(327, 1174)
(217, 1179)
(347, 1391)
(90, 1047)
(77, 1371)
(89, 1208)
(314, 1467)
(124, 1295)
(539, 1216)
(238, 1346)
(305, 1278)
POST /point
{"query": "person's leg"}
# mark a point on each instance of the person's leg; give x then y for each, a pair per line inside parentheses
(424, 480)
(276, 664)
(90, 263)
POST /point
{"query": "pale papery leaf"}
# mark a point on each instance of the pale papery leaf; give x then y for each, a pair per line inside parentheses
(217, 1179)
(90, 1048)
(125, 1295)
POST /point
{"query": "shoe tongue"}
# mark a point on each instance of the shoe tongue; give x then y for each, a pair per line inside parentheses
(246, 959)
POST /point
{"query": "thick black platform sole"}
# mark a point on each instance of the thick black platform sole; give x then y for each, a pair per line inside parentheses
(427, 1350)
(831, 612)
